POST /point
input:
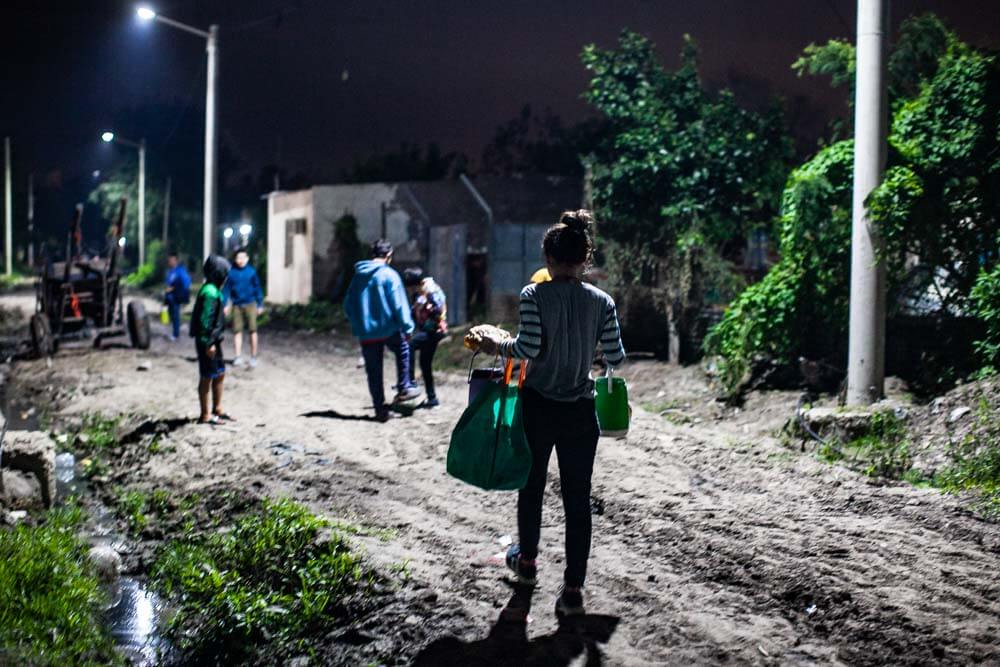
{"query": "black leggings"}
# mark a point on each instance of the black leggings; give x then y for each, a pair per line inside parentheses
(426, 344)
(571, 428)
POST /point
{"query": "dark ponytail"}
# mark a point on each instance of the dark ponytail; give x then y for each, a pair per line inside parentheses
(568, 241)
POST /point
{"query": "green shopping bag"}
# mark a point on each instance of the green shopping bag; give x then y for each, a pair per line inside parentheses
(488, 447)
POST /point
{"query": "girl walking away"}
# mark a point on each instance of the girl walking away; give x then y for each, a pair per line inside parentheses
(562, 321)
(430, 315)
(208, 321)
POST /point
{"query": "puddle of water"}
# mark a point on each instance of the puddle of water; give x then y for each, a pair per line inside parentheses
(134, 623)
(134, 614)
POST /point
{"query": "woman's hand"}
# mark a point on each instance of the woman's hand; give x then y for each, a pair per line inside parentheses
(490, 344)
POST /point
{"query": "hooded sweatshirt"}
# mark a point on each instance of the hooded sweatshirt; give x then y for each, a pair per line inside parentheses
(243, 287)
(376, 302)
(207, 318)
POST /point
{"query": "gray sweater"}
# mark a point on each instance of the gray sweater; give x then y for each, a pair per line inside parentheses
(562, 324)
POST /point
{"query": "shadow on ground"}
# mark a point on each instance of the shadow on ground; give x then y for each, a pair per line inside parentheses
(508, 642)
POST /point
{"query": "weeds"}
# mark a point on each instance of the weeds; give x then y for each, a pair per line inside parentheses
(51, 601)
(316, 315)
(279, 576)
(976, 462)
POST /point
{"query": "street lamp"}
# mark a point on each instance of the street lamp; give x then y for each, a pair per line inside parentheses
(147, 14)
(227, 234)
(109, 137)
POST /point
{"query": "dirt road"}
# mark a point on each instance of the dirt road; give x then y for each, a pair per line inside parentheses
(713, 543)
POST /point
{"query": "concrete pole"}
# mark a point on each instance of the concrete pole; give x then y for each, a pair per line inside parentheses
(866, 353)
(211, 167)
(8, 210)
(142, 201)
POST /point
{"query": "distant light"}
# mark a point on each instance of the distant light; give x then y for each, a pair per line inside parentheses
(245, 229)
(145, 13)
(96, 174)
(108, 137)
(121, 242)
(228, 232)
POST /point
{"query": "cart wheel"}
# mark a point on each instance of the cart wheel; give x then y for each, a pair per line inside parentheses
(41, 335)
(138, 325)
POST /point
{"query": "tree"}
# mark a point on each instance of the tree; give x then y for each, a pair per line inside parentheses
(540, 144)
(937, 205)
(684, 174)
(408, 163)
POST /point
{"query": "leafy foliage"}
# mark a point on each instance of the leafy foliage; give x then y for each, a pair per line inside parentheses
(540, 144)
(937, 207)
(986, 299)
(684, 167)
(276, 577)
(51, 610)
(409, 162)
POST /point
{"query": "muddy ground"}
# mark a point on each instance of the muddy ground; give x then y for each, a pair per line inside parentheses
(713, 541)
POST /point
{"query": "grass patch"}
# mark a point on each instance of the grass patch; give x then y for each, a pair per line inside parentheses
(51, 602)
(883, 451)
(317, 315)
(975, 463)
(278, 577)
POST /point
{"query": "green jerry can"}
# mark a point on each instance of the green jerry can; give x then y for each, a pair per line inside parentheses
(613, 411)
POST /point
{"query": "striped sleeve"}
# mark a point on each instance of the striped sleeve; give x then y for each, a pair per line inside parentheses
(611, 337)
(528, 342)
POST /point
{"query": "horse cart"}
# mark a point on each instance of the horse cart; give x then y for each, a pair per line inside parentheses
(83, 294)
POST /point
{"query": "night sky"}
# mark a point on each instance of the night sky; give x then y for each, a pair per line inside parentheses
(312, 84)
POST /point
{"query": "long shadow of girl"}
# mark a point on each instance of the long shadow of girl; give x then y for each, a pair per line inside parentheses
(508, 642)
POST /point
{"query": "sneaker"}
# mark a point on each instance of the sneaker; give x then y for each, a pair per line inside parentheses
(253, 362)
(432, 403)
(238, 362)
(569, 603)
(525, 571)
(407, 395)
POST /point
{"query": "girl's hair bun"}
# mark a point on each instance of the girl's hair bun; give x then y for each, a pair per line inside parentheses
(578, 221)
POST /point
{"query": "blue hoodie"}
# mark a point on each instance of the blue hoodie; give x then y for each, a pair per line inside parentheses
(376, 302)
(179, 279)
(243, 287)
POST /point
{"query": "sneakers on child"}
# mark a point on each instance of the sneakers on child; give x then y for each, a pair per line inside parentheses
(407, 395)
(239, 361)
(253, 362)
(525, 571)
(569, 603)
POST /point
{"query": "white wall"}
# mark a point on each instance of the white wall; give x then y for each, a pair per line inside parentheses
(289, 284)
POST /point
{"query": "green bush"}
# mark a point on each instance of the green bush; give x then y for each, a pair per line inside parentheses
(50, 600)
(986, 302)
(152, 271)
(317, 315)
(269, 582)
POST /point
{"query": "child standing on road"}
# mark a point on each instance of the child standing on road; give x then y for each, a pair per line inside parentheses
(177, 293)
(245, 298)
(430, 315)
(562, 321)
(208, 321)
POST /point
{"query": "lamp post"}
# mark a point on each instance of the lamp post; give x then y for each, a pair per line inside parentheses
(212, 47)
(140, 145)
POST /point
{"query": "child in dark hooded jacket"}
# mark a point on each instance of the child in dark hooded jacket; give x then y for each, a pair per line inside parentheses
(208, 321)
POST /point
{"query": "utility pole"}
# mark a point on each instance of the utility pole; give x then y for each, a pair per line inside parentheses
(142, 201)
(8, 210)
(166, 212)
(31, 221)
(866, 353)
(212, 47)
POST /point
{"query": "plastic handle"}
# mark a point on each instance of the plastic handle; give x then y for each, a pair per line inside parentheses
(611, 383)
(524, 374)
(508, 371)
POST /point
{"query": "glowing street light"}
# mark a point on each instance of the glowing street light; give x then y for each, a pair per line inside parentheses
(109, 137)
(228, 233)
(146, 14)
(245, 229)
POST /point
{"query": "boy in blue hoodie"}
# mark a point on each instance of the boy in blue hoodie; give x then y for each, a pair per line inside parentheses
(379, 311)
(245, 298)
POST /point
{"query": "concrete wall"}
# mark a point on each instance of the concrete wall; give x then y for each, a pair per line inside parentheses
(289, 283)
